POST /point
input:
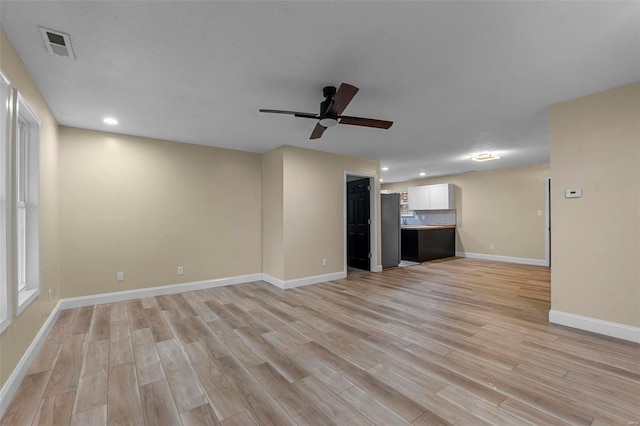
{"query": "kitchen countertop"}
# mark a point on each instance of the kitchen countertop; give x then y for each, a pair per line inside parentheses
(426, 227)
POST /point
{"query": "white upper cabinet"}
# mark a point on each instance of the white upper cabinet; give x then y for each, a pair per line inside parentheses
(441, 197)
(432, 197)
(419, 198)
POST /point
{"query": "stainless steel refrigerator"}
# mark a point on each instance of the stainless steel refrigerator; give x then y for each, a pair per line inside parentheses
(390, 215)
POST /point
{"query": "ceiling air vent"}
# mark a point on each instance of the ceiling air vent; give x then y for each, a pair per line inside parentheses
(57, 43)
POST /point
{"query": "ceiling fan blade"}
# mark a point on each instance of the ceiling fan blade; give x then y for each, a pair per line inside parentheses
(366, 122)
(296, 113)
(317, 131)
(343, 96)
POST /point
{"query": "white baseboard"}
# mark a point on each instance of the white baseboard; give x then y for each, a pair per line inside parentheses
(608, 328)
(119, 296)
(378, 268)
(10, 387)
(521, 260)
(299, 282)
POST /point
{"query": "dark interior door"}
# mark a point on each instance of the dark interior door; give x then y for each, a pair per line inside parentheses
(549, 214)
(358, 224)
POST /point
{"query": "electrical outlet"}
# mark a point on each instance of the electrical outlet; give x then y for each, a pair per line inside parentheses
(539, 212)
(573, 193)
(492, 246)
(120, 276)
(50, 296)
(180, 270)
(324, 262)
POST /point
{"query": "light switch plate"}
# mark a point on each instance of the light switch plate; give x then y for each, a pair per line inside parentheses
(573, 193)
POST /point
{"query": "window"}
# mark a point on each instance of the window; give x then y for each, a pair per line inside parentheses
(5, 312)
(26, 194)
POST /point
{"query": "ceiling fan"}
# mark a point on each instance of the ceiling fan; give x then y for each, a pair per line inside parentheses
(331, 109)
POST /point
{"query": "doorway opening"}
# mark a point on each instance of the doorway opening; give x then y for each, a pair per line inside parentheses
(360, 242)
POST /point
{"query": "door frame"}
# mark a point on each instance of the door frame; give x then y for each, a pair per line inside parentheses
(373, 213)
(547, 221)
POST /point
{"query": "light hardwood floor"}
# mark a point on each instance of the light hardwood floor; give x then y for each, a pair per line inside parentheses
(459, 341)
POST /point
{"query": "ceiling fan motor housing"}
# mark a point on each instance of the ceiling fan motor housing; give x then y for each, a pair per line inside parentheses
(328, 92)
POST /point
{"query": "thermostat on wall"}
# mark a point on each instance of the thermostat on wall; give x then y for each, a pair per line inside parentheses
(573, 193)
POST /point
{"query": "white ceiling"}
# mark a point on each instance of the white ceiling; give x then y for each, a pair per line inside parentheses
(456, 78)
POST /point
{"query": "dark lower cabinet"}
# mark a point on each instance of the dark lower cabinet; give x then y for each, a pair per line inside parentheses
(419, 245)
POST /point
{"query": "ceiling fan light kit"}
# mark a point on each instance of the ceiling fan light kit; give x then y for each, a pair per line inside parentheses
(331, 109)
(328, 122)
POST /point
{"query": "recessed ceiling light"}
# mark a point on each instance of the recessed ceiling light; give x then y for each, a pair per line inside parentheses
(422, 173)
(483, 157)
(384, 169)
(381, 180)
(111, 121)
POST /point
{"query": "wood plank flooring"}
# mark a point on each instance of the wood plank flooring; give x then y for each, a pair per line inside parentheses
(458, 341)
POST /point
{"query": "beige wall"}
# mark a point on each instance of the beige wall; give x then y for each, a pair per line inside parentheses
(19, 335)
(273, 213)
(497, 207)
(144, 207)
(595, 145)
(314, 200)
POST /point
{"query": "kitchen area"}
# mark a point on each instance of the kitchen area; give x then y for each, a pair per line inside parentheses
(418, 225)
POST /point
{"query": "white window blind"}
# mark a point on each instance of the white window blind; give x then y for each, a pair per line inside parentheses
(22, 172)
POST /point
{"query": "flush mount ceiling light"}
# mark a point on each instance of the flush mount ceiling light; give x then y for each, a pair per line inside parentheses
(111, 121)
(484, 157)
(422, 174)
(384, 169)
